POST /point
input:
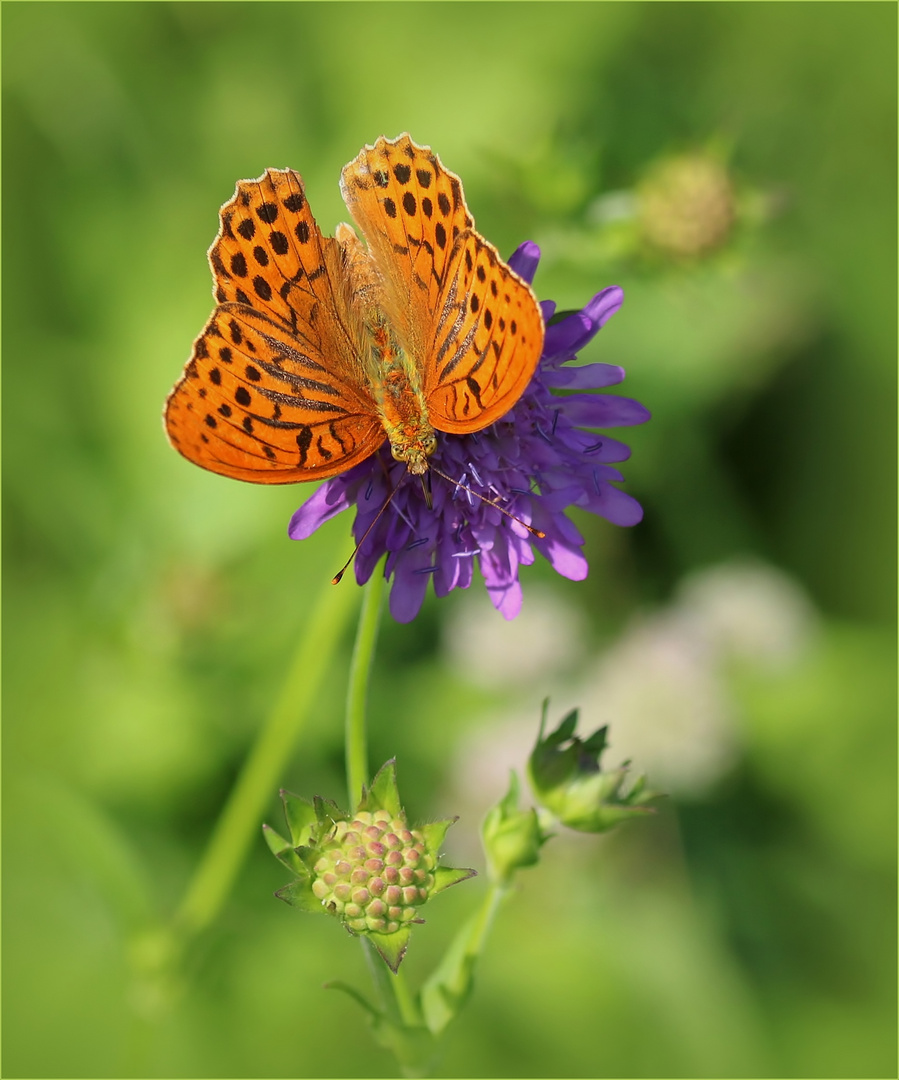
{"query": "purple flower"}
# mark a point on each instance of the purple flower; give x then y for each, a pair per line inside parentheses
(535, 462)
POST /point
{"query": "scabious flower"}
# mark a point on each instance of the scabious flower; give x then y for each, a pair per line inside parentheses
(540, 458)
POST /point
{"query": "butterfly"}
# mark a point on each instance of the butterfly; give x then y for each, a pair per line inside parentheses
(321, 347)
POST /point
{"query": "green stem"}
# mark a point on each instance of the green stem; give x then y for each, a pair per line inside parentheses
(395, 998)
(240, 818)
(483, 920)
(408, 1009)
(392, 989)
(357, 687)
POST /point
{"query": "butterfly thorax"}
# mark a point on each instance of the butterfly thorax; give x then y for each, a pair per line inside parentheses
(400, 400)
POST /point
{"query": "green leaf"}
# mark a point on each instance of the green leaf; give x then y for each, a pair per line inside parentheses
(383, 793)
(392, 947)
(352, 992)
(449, 986)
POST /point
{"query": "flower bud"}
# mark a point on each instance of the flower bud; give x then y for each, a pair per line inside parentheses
(367, 869)
(512, 838)
(566, 778)
(342, 877)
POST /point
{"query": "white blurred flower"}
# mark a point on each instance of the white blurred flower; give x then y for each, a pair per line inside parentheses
(662, 687)
(544, 640)
(660, 691)
(749, 610)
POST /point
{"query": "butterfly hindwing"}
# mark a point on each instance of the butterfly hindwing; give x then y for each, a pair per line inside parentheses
(487, 336)
(257, 404)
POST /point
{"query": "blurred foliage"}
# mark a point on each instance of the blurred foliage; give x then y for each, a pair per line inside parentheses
(151, 609)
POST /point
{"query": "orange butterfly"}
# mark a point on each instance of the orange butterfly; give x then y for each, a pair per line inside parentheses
(321, 347)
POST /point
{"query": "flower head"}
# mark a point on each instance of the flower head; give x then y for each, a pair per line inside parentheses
(540, 458)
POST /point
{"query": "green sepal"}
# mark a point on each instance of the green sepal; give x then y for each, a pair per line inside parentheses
(597, 743)
(392, 947)
(300, 816)
(282, 850)
(275, 840)
(566, 727)
(444, 876)
(383, 794)
(299, 894)
(307, 857)
(434, 834)
(327, 814)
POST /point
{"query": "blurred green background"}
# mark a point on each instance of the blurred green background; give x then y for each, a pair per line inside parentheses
(740, 641)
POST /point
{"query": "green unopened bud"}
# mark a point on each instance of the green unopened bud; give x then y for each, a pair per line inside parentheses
(566, 777)
(373, 871)
(369, 869)
(512, 837)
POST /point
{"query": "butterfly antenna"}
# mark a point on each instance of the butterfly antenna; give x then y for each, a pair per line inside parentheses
(490, 502)
(336, 579)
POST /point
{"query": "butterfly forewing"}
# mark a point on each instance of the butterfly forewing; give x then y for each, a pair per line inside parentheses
(275, 391)
(471, 324)
(269, 253)
(410, 211)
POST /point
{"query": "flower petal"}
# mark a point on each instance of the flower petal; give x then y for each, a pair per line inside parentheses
(328, 501)
(565, 337)
(604, 305)
(524, 260)
(614, 505)
(585, 377)
(604, 410)
(410, 582)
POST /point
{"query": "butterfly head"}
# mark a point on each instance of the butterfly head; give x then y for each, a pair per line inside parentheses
(415, 450)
